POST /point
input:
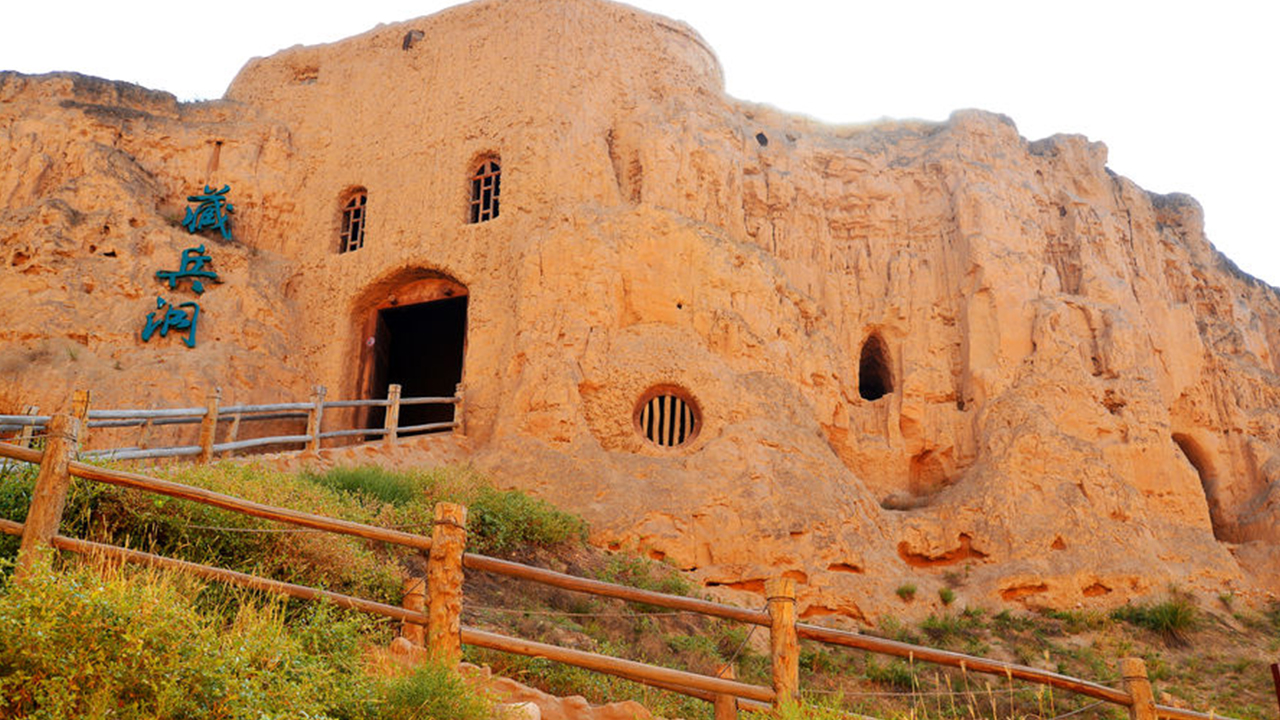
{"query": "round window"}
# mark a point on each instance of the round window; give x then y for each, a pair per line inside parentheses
(667, 417)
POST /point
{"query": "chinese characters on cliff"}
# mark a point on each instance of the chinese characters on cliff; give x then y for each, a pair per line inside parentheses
(210, 213)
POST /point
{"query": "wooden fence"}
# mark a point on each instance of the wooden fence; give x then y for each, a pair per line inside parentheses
(31, 424)
(433, 617)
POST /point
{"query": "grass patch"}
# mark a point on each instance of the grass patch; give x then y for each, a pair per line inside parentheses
(1172, 619)
(370, 481)
(645, 574)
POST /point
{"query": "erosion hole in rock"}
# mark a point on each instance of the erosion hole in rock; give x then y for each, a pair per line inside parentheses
(928, 472)
(306, 75)
(1200, 460)
(874, 379)
(416, 339)
(486, 184)
(762, 139)
(351, 235)
(410, 38)
(668, 416)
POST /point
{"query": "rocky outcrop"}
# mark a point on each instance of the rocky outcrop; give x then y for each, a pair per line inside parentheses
(935, 353)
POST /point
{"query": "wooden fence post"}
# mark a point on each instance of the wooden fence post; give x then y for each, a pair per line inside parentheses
(1134, 672)
(726, 706)
(315, 417)
(459, 427)
(233, 433)
(144, 431)
(80, 411)
(392, 418)
(783, 642)
(63, 432)
(209, 425)
(444, 583)
(415, 593)
(24, 440)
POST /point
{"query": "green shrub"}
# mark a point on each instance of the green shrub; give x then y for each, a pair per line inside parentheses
(906, 591)
(371, 481)
(432, 691)
(500, 521)
(645, 574)
(1172, 618)
(17, 482)
(946, 595)
(100, 643)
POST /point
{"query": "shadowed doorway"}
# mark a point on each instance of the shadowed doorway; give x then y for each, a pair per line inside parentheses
(417, 341)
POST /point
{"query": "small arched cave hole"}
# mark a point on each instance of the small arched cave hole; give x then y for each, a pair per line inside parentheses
(1200, 460)
(874, 379)
(668, 417)
(762, 139)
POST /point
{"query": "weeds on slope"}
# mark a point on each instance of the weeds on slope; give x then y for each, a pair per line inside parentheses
(102, 641)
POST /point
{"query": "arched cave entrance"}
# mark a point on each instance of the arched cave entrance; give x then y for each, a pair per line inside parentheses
(874, 379)
(415, 337)
(1203, 464)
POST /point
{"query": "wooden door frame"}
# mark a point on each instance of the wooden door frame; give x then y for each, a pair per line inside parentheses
(417, 292)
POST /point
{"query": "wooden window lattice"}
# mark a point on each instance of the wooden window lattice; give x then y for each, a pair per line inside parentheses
(667, 420)
(352, 236)
(485, 186)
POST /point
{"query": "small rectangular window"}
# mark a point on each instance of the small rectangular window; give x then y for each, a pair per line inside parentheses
(484, 191)
(353, 220)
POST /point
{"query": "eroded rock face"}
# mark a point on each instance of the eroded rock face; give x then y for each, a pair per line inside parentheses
(916, 352)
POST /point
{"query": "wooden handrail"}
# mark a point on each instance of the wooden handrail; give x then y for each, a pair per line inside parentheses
(606, 589)
(209, 572)
(969, 663)
(246, 507)
(629, 669)
(135, 481)
(312, 411)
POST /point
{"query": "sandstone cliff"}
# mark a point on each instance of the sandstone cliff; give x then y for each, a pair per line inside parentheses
(926, 352)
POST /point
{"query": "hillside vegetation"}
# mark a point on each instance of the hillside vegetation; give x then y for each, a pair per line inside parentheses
(91, 640)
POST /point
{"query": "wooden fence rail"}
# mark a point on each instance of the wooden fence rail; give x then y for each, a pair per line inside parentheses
(213, 413)
(445, 565)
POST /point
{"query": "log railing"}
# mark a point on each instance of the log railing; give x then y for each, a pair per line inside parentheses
(440, 614)
(213, 417)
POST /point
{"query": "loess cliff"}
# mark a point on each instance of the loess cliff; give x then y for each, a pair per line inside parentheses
(935, 353)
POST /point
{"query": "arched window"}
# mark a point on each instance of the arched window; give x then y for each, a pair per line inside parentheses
(874, 379)
(485, 184)
(353, 219)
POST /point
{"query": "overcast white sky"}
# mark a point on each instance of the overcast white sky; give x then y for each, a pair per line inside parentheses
(1183, 93)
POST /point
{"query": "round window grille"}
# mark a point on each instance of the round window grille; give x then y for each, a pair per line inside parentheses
(667, 418)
